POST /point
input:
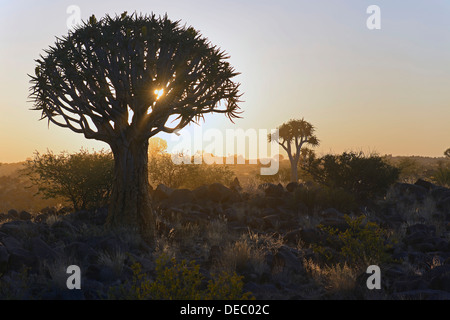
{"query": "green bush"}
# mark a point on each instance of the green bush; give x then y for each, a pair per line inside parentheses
(362, 243)
(84, 179)
(180, 281)
(363, 176)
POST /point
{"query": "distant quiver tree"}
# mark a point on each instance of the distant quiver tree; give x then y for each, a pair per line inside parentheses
(292, 137)
(124, 79)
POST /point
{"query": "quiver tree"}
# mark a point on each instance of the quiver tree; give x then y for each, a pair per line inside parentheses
(292, 137)
(124, 79)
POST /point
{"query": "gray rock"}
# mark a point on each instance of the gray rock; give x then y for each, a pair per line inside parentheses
(180, 196)
(331, 213)
(13, 214)
(426, 184)
(4, 258)
(23, 215)
(217, 192)
(162, 192)
(444, 205)
(291, 186)
(417, 192)
(42, 250)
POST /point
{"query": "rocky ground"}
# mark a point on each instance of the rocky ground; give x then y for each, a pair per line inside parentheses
(266, 236)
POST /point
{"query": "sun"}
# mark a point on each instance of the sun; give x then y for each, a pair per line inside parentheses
(159, 93)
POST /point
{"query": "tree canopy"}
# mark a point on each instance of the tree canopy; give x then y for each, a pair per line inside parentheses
(129, 74)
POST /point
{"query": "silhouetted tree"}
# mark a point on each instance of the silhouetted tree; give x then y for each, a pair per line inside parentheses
(292, 136)
(447, 153)
(121, 80)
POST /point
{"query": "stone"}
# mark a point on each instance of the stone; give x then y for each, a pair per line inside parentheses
(440, 193)
(291, 186)
(201, 193)
(23, 215)
(272, 190)
(287, 259)
(444, 205)
(235, 185)
(310, 236)
(4, 258)
(417, 192)
(420, 227)
(42, 250)
(426, 184)
(217, 192)
(180, 196)
(331, 213)
(162, 192)
(13, 214)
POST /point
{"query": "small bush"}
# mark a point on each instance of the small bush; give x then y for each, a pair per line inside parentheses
(362, 243)
(162, 170)
(180, 281)
(442, 175)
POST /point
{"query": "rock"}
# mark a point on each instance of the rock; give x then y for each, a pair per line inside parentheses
(441, 281)
(291, 186)
(18, 256)
(310, 236)
(271, 221)
(421, 228)
(335, 223)
(201, 193)
(180, 196)
(231, 214)
(331, 213)
(162, 192)
(272, 190)
(13, 214)
(63, 229)
(426, 184)
(419, 193)
(292, 237)
(217, 192)
(287, 259)
(235, 185)
(79, 216)
(4, 258)
(42, 250)
(81, 252)
(23, 215)
(444, 205)
(49, 211)
(440, 193)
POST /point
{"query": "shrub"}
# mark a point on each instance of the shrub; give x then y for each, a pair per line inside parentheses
(83, 178)
(362, 243)
(162, 170)
(442, 175)
(181, 281)
(364, 176)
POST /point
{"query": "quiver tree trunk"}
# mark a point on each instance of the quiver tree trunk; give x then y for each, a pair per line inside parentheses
(130, 202)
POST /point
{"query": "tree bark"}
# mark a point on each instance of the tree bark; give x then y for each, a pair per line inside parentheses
(294, 171)
(130, 202)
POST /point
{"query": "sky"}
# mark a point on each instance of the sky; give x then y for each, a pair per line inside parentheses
(385, 90)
